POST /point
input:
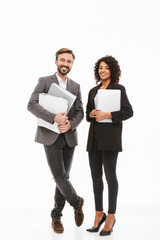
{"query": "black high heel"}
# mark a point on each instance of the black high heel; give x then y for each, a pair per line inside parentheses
(104, 233)
(100, 223)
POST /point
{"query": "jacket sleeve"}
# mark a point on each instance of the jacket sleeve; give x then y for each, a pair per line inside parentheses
(126, 110)
(35, 108)
(78, 114)
(88, 108)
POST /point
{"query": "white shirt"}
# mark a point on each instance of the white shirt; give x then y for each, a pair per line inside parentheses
(96, 101)
(62, 83)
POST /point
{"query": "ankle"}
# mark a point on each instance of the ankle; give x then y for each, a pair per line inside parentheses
(99, 214)
(111, 215)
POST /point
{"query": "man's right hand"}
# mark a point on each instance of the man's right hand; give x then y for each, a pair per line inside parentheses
(61, 118)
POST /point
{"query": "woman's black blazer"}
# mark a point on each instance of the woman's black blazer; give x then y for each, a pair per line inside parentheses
(108, 135)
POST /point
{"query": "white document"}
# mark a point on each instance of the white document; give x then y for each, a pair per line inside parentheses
(53, 105)
(58, 91)
(108, 100)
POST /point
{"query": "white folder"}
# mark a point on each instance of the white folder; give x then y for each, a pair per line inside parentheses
(58, 91)
(54, 105)
(108, 100)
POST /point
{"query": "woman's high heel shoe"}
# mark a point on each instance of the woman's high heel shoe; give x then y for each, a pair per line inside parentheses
(104, 233)
(100, 223)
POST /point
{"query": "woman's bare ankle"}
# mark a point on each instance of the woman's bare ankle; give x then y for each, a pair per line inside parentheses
(99, 213)
(109, 222)
(98, 217)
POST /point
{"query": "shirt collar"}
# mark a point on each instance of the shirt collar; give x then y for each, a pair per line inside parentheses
(60, 80)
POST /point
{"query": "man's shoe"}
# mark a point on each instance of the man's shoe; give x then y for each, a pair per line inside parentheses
(79, 216)
(57, 226)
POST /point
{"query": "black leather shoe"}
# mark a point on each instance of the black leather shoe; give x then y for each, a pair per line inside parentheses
(105, 233)
(97, 228)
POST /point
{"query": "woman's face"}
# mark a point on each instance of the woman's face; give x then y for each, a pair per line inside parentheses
(104, 71)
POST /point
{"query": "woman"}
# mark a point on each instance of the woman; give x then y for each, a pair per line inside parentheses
(104, 141)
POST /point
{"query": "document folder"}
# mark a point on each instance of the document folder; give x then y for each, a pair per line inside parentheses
(58, 91)
(108, 100)
(54, 105)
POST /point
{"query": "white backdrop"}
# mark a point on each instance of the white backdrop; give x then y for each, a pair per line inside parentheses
(31, 33)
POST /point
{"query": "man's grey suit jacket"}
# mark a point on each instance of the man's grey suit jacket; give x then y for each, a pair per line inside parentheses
(75, 114)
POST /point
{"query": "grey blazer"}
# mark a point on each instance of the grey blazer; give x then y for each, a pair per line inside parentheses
(75, 115)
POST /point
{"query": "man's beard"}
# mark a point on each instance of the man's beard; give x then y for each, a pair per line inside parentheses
(67, 70)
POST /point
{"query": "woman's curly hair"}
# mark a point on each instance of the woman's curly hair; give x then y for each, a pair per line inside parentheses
(113, 66)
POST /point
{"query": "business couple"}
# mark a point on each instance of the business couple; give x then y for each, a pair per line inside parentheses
(104, 139)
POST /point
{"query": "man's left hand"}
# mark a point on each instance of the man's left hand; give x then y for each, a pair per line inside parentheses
(64, 127)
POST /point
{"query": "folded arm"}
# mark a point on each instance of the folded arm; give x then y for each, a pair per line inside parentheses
(35, 108)
(118, 116)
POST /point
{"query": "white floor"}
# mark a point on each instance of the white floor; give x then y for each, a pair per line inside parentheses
(37, 227)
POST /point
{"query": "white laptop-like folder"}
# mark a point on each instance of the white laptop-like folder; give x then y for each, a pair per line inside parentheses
(54, 105)
(58, 91)
(108, 100)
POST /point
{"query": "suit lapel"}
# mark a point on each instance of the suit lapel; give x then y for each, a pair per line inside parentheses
(110, 86)
(54, 79)
(69, 85)
(94, 94)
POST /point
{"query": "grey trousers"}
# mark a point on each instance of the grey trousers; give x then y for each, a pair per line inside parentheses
(59, 156)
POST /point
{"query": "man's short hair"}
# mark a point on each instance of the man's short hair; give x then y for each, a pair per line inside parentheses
(64, 50)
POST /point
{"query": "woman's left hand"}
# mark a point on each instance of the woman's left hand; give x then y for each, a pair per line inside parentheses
(102, 115)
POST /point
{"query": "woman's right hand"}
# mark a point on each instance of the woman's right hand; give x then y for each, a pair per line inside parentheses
(94, 113)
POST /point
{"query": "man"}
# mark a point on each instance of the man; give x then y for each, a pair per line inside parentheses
(59, 148)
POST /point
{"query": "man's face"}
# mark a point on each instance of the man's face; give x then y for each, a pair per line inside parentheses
(64, 63)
